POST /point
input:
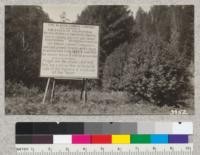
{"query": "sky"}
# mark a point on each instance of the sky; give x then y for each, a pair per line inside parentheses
(72, 11)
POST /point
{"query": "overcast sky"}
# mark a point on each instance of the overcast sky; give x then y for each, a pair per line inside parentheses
(72, 11)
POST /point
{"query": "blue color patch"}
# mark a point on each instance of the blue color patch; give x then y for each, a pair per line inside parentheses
(159, 139)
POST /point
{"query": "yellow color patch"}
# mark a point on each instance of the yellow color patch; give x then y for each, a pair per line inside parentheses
(121, 139)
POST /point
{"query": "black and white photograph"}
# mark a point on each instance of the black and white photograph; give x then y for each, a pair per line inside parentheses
(74, 59)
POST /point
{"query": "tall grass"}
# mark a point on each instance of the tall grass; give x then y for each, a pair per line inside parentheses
(22, 100)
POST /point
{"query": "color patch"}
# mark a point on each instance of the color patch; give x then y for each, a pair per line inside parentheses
(23, 139)
(93, 128)
(101, 139)
(145, 128)
(140, 139)
(120, 139)
(128, 128)
(70, 128)
(159, 139)
(44, 128)
(62, 139)
(111, 128)
(182, 128)
(24, 128)
(42, 139)
(163, 128)
(178, 138)
(81, 139)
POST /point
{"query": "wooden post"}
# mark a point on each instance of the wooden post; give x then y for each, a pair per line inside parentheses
(46, 90)
(84, 91)
(52, 91)
(85, 88)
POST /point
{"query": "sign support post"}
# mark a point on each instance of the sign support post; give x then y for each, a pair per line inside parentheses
(46, 90)
(84, 91)
(52, 91)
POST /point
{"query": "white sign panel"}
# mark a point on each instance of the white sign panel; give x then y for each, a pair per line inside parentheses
(69, 51)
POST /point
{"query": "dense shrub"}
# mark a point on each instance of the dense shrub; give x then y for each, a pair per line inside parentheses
(156, 71)
(114, 68)
(19, 89)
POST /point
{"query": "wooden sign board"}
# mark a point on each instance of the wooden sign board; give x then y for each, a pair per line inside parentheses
(69, 51)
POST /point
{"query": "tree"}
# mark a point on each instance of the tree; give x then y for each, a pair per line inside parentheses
(160, 17)
(187, 31)
(116, 23)
(23, 38)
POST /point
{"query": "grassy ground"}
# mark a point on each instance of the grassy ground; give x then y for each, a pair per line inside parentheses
(68, 103)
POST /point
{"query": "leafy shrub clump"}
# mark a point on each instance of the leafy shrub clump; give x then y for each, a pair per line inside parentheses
(150, 69)
(19, 89)
(157, 72)
(114, 68)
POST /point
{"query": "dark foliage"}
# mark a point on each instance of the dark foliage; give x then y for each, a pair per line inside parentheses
(116, 25)
(23, 38)
(156, 66)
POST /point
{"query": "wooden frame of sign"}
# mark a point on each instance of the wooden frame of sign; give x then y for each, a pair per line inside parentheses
(69, 51)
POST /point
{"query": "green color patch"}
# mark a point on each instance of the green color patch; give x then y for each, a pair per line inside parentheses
(140, 139)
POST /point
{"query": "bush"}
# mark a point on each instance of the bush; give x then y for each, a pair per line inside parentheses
(157, 72)
(114, 68)
(19, 89)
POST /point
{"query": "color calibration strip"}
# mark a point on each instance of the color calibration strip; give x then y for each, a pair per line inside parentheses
(104, 133)
(101, 139)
